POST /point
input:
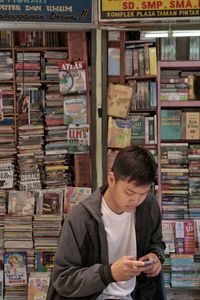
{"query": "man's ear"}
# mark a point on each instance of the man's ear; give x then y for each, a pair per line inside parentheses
(111, 178)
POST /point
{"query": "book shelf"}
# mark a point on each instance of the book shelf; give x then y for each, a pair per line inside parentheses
(122, 49)
(176, 157)
(44, 169)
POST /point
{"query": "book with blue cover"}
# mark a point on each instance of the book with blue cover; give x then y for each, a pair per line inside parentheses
(171, 124)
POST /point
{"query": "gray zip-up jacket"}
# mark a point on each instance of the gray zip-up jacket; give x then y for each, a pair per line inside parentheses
(81, 268)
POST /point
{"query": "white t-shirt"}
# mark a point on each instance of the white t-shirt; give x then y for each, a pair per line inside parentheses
(120, 230)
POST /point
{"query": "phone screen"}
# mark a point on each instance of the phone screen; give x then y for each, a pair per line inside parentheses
(149, 263)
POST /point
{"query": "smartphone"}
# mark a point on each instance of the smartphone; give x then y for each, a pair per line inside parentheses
(149, 263)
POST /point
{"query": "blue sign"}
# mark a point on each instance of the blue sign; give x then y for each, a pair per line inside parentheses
(58, 11)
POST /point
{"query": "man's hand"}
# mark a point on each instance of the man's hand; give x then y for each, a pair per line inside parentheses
(154, 270)
(126, 268)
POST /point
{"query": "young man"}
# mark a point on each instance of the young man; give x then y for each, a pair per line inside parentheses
(106, 239)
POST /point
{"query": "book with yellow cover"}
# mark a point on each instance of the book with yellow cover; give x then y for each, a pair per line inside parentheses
(152, 61)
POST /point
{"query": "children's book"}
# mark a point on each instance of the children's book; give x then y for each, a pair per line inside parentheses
(38, 284)
(72, 77)
(74, 195)
(15, 268)
(75, 110)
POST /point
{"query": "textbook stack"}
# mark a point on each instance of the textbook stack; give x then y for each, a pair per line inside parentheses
(194, 180)
(174, 180)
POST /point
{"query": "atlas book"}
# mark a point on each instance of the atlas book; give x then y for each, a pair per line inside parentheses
(72, 77)
(119, 100)
(75, 110)
(15, 268)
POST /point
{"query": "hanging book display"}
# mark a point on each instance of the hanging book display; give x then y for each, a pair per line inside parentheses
(75, 110)
(72, 77)
(78, 138)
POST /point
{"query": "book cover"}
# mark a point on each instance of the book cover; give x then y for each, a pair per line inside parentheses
(128, 62)
(168, 229)
(119, 133)
(171, 124)
(152, 61)
(189, 237)
(44, 261)
(1, 105)
(191, 121)
(15, 268)
(1, 284)
(83, 169)
(74, 195)
(78, 139)
(113, 61)
(38, 284)
(137, 129)
(119, 100)
(72, 77)
(49, 202)
(30, 181)
(75, 110)
(191, 90)
(21, 203)
(6, 175)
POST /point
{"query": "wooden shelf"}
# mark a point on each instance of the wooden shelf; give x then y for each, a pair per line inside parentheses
(21, 49)
(190, 64)
(149, 77)
(180, 103)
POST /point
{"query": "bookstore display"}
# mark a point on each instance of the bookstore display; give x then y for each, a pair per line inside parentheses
(163, 115)
(45, 140)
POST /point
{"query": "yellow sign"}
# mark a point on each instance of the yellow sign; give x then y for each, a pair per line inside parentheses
(137, 9)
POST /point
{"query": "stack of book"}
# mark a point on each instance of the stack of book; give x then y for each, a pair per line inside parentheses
(18, 236)
(6, 65)
(174, 180)
(47, 221)
(8, 151)
(15, 274)
(7, 99)
(28, 66)
(52, 58)
(57, 161)
(185, 271)
(194, 180)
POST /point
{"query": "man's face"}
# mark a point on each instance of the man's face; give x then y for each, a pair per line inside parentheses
(123, 196)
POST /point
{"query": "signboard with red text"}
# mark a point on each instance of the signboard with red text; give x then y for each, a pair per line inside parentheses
(116, 10)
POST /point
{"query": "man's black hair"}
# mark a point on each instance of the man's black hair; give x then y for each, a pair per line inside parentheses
(136, 164)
